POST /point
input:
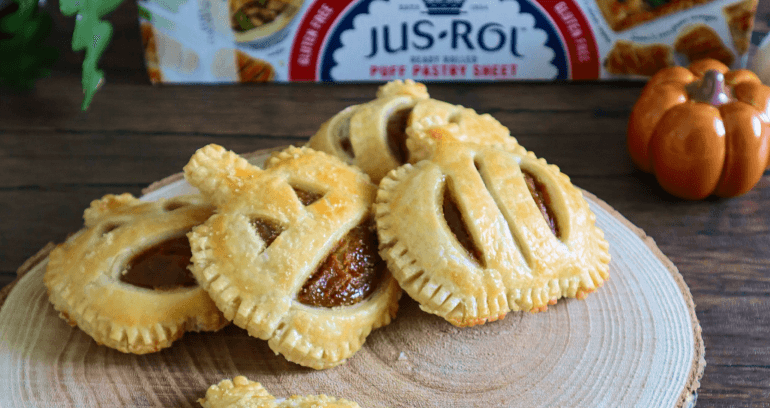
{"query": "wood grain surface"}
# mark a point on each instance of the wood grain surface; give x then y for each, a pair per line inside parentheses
(56, 159)
(636, 342)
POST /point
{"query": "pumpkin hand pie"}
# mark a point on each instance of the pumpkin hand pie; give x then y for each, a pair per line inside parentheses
(477, 231)
(123, 279)
(291, 254)
(372, 136)
(242, 393)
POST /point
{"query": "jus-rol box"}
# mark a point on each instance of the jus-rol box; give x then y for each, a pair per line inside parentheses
(215, 41)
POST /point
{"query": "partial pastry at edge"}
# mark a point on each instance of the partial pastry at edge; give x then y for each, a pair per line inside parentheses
(243, 393)
(106, 278)
(279, 236)
(467, 237)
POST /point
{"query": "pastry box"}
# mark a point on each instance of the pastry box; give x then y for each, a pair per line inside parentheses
(226, 41)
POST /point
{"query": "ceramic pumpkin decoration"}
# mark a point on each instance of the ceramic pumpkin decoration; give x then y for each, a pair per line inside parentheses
(702, 130)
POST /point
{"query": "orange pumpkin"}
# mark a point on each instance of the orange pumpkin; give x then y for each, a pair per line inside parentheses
(702, 130)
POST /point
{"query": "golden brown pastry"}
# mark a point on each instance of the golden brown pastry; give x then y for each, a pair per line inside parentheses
(740, 19)
(291, 254)
(624, 14)
(700, 41)
(123, 279)
(406, 88)
(395, 128)
(477, 231)
(151, 52)
(629, 58)
(242, 393)
(252, 69)
(372, 136)
(434, 121)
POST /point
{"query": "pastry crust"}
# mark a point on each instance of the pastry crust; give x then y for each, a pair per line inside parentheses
(740, 20)
(255, 284)
(151, 60)
(371, 135)
(434, 121)
(396, 128)
(83, 275)
(522, 265)
(624, 14)
(252, 69)
(242, 393)
(403, 88)
(700, 41)
(629, 58)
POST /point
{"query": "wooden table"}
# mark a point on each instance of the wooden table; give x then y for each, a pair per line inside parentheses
(56, 159)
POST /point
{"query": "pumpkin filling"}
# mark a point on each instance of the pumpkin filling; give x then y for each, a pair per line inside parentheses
(349, 274)
(456, 224)
(343, 135)
(542, 199)
(307, 197)
(396, 130)
(161, 267)
(268, 230)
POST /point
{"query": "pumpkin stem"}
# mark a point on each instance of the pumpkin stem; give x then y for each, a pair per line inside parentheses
(711, 89)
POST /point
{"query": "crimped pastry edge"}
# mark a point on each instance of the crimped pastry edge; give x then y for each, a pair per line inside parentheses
(76, 308)
(418, 282)
(274, 324)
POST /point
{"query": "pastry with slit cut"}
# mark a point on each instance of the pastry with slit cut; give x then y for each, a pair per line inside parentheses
(291, 254)
(396, 128)
(478, 231)
(124, 278)
(243, 393)
(372, 135)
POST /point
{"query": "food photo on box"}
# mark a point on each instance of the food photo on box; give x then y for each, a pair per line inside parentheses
(384, 203)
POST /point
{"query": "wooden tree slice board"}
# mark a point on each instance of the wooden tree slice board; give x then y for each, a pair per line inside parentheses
(635, 342)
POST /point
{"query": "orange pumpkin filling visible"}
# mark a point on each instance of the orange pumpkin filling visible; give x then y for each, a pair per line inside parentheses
(542, 199)
(306, 197)
(396, 129)
(454, 220)
(350, 274)
(161, 267)
(267, 230)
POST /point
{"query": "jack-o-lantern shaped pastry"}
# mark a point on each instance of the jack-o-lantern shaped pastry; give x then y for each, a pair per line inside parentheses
(124, 279)
(291, 254)
(477, 231)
